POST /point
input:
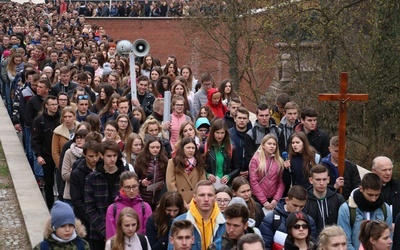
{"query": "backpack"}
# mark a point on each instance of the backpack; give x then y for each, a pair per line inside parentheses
(80, 244)
(353, 213)
(142, 239)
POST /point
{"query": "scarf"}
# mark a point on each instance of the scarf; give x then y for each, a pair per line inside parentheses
(55, 237)
(364, 204)
(190, 165)
(76, 151)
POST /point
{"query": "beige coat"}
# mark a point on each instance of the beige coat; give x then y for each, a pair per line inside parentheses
(183, 183)
(60, 137)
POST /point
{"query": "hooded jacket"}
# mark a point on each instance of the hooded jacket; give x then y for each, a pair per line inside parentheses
(142, 208)
(219, 109)
(57, 245)
(98, 196)
(324, 211)
(287, 131)
(217, 221)
(60, 137)
(267, 225)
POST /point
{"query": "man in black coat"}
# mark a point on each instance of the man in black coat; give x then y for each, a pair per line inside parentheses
(383, 167)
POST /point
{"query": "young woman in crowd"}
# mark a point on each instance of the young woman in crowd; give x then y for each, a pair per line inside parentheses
(375, 235)
(151, 165)
(124, 127)
(134, 145)
(186, 169)
(299, 232)
(159, 223)
(74, 152)
(147, 65)
(221, 159)
(138, 113)
(215, 103)
(163, 84)
(187, 73)
(155, 74)
(205, 111)
(332, 238)
(120, 69)
(179, 89)
(111, 134)
(110, 109)
(128, 196)
(63, 100)
(223, 196)
(128, 223)
(152, 128)
(105, 93)
(241, 188)
(265, 173)
(302, 157)
(227, 91)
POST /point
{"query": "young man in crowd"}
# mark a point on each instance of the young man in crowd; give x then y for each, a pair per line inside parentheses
(182, 235)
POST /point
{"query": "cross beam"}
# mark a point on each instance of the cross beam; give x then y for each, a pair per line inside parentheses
(343, 97)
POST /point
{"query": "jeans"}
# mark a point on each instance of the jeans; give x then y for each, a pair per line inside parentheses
(26, 135)
(7, 94)
(37, 169)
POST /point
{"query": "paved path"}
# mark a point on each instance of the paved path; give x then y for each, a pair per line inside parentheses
(19, 228)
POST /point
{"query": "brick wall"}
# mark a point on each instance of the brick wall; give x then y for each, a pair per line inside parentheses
(165, 37)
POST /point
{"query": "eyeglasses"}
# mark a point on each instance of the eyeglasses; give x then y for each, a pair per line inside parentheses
(131, 188)
(297, 226)
(83, 97)
(111, 131)
(179, 105)
(225, 201)
(123, 122)
(118, 68)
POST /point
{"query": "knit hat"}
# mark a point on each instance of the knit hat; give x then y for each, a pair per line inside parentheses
(61, 214)
(106, 69)
(202, 122)
(294, 217)
(237, 200)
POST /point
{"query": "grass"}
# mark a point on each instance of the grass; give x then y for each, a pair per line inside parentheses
(5, 182)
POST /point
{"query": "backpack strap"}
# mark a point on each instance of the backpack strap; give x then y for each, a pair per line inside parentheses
(143, 241)
(115, 210)
(352, 211)
(44, 245)
(384, 210)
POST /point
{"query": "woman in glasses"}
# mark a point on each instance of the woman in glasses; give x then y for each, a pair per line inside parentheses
(375, 235)
(299, 234)
(129, 196)
(111, 134)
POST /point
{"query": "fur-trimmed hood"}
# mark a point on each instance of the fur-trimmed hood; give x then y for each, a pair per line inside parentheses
(79, 228)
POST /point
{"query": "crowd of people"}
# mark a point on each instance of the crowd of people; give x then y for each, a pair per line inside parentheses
(206, 178)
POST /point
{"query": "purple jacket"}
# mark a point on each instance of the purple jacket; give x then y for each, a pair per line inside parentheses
(142, 208)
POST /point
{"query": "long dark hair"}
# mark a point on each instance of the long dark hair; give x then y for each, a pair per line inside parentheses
(144, 157)
(180, 159)
(251, 204)
(169, 199)
(217, 125)
(308, 152)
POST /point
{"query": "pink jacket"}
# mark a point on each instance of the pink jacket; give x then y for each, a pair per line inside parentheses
(269, 185)
(142, 208)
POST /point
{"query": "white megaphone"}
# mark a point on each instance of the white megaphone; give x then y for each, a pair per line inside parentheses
(141, 47)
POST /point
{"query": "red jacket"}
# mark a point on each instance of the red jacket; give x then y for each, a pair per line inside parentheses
(220, 109)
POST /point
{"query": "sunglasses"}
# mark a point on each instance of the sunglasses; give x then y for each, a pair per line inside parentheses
(297, 226)
(83, 97)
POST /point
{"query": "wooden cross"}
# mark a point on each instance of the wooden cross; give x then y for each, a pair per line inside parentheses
(343, 97)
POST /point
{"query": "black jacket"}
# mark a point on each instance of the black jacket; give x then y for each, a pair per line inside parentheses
(231, 163)
(59, 87)
(147, 103)
(42, 134)
(328, 206)
(33, 106)
(77, 192)
(391, 195)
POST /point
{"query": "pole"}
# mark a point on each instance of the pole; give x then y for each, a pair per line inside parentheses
(167, 108)
(133, 75)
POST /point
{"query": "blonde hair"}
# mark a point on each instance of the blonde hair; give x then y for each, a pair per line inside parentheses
(262, 166)
(145, 126)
